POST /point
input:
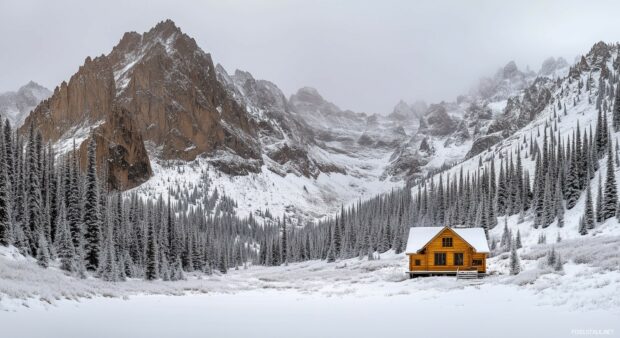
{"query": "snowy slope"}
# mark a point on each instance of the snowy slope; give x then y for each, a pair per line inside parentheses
(317, 157)
(580, 109)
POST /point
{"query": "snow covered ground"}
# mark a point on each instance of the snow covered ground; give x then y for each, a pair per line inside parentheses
(352, 297)
(496, 311)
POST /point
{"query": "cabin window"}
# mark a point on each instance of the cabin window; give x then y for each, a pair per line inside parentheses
(417, 262)
(440, 258)
(446, 242)
(476, 262)
(458, 258)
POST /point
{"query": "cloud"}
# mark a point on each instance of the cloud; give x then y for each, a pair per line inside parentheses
(362, 55)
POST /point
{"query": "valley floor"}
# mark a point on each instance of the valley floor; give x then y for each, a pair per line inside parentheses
(350, 298)
(495, 311)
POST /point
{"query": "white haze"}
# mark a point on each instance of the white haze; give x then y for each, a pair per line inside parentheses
(362, 55)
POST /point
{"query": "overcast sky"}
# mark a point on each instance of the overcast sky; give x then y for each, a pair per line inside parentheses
(362, 55)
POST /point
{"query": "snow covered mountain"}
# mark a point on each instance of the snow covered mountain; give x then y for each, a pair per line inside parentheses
(562, 109)
(303, 156)
(15, 106)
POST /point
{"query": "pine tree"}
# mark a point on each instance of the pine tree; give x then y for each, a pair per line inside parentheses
(33, 195)
(108, 269)
(616, 110)
(610, 197)
(573, 188)
(588, 215)
(65, 249)
(284, 241)
(222, 264)
(518, 240)
(43, 258)
(559, 203)
(5, 206)
(559, 264)
(583, 230)
(152, 269)
(515, 264)
(551, 257)
(92, 218)
(599, 201)
(72, 202)
(331, 257)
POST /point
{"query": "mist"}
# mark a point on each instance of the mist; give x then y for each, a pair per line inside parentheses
(361, 55)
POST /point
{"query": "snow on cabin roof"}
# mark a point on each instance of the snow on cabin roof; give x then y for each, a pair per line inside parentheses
(420, 236)
(475, 237)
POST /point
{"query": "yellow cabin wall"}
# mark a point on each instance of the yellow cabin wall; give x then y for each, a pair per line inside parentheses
(458, 245)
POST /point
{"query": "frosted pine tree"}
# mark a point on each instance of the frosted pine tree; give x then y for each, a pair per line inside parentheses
(515, 264)
(610, 197)
(108, 269)
(588, 216)
(64, 243)
(548, 202)
(152, 269)
(616, 110)
(72, 202)
(5, 205)
(43, 257)
(34, 205)
(92, 218)
(551, 257)
(559, 203)
(222, 266)
(599, 200)
(559, 264)
(573, 190)
(583, 230)
(284, 241)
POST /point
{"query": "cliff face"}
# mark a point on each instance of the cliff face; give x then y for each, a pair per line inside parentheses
(120, 151)
(86, 99)
(87, 102)
(171, 86)
(159, 88)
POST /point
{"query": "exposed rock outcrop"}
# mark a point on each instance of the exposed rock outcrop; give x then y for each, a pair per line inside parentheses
(120, 152)
(438, 121)
(483, 143)
(169, 87)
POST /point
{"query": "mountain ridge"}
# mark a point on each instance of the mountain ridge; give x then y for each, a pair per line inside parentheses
(185, 108)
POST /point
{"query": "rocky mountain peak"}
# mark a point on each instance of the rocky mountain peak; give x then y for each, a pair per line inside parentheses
(510, 70)
(599, 54)
(15, 106)
(165, 28)
(307, 100)
(402, 108)
(169, 87)
(308, 95)
(439, 121)
(551, 65)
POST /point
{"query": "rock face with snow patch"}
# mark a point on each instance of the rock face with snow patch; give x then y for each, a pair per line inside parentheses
(171, 87)
(86, 103)
(506, 82)
(120, 150)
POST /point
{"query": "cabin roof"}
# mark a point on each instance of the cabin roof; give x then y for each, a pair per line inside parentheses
(419, 237)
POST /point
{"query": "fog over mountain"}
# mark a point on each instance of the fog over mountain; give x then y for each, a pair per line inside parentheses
(361, 55)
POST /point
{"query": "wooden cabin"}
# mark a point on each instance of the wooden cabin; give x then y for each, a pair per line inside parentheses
(444, 251)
